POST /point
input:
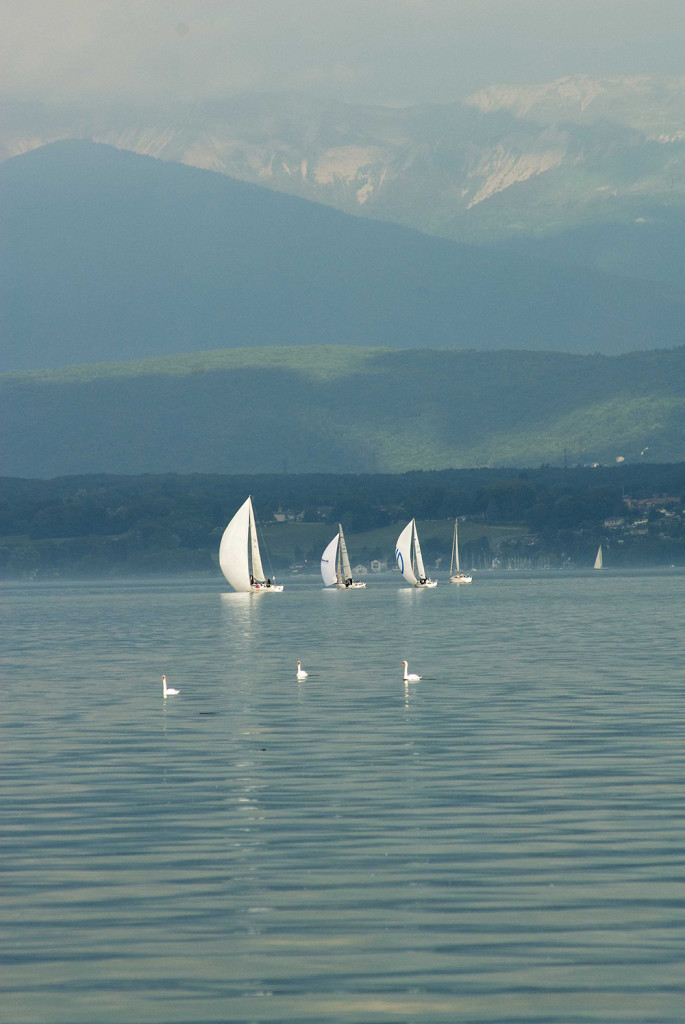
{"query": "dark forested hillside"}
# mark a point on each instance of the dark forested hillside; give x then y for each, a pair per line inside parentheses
(109, 255)
(342, 409)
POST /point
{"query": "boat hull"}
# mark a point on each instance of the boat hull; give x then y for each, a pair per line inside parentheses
(461, 578)
(357, 585)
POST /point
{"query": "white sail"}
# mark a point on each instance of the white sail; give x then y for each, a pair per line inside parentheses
(418, 557)
(238, 548)
(344, 557)
(599, 561)
(328, 560)
(257, 568)
(233, 557)
(403, 553)
(335, 564)
(454, 563)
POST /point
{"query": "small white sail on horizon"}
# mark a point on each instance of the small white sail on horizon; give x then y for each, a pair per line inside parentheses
(239, 555)
(335, 565)
(456, 575)
(599, 560)
(409, 558)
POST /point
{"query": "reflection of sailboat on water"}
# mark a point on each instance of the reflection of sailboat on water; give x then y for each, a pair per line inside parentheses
(599, 561)
(335, 564)
(409, 558)
(239, 556)
(456, 575)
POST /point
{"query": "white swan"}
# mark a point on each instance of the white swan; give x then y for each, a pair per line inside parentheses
(167, 690)
(409, 677)
(301, 674)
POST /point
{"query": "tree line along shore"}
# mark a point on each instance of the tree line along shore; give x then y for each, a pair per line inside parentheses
(548, 517)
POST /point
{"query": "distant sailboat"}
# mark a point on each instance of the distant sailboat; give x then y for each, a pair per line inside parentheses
(599, 561)
(335, 564)
(456, 575)
(409, 558)
(239, 556)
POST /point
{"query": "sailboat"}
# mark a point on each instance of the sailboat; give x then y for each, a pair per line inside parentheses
(239, 556)
(335, 564)
(456, 575)
(599, 561)
(409, 559)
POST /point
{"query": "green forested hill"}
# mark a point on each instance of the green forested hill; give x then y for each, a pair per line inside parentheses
(340, 409)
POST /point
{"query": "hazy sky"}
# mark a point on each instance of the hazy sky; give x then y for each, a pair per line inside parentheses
(372, 51)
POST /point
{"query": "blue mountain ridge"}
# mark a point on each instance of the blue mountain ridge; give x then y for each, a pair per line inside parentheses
(107, 255)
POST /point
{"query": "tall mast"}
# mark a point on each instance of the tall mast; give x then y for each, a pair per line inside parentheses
(344, 557)
(421, 572)
(257, 568)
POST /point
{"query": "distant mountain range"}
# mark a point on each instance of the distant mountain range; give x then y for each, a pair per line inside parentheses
(343, 409)
(324, 288)
(108, 255)
(510, 163)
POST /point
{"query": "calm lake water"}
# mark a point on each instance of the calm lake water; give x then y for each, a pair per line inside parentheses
(502, 842)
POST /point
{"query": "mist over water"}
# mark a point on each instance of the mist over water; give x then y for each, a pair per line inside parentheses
(500, 842)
